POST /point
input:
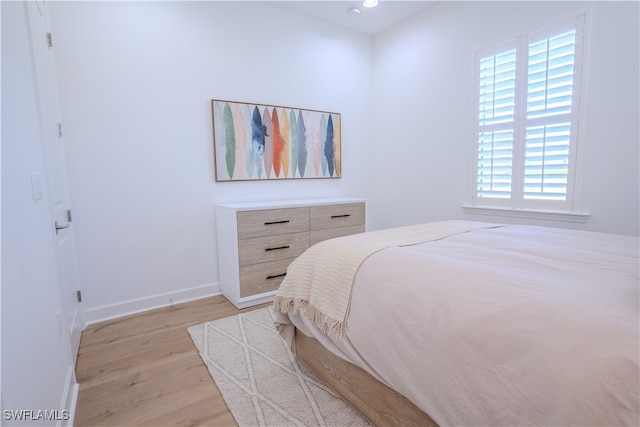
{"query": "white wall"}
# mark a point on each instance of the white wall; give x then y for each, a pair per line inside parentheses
(37, 367)
(136, 80)
(424, 110)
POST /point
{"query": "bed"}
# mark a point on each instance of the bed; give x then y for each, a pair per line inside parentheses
(471, 323)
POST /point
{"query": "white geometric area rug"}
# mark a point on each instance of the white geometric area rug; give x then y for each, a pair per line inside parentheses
(259, 378)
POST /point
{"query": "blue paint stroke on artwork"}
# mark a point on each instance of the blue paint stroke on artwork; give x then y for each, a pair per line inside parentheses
(258, 131)
(328, 146)
(258, 134)
(302, 145)
(323, 137)
(293, 126)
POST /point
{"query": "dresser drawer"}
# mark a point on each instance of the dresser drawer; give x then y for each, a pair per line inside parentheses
(316, 236)
(341, 215)
(263, 277)
(258, 240)
(271, 248)
(272, 221)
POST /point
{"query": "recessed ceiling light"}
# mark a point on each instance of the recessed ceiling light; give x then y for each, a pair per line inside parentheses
(353, 11)
(369, 3)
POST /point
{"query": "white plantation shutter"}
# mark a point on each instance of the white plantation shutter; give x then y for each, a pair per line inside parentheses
(550, 75)
(495, 152)
(546, 169)
(551, 67)
(527, 120)
(497, 95)
(497, 88)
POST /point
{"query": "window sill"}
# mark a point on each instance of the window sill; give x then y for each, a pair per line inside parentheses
(562, 216)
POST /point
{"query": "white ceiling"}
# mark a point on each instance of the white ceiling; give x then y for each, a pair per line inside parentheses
(369, 21)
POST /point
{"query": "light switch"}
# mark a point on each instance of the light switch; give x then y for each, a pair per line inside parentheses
(36, 186)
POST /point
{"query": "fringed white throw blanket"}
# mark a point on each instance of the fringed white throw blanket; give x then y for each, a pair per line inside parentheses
(318, 283)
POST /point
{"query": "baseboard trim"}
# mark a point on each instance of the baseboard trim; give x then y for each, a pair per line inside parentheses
(138, 305)
(69, 400)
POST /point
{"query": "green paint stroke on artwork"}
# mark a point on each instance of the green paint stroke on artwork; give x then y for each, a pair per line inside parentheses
(230, 143)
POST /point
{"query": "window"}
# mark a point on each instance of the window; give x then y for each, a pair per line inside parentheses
(527, 120)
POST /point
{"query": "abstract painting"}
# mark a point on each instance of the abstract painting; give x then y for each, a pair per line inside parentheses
(266, 142)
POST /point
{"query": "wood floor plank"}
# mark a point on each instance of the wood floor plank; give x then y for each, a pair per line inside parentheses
(145, 389)
(198, 413)
(144, 370)
(133, 353)
(118, 329)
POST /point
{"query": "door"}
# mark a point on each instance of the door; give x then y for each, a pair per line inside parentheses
(56, 177)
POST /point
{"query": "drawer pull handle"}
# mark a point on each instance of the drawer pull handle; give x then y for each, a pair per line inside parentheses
(340, 216)
(276, 276)
(276, 222)
(279, 247)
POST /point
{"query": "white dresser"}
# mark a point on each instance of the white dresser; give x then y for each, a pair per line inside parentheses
(258, 240)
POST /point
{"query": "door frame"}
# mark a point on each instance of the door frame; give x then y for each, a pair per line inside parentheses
(55, 180)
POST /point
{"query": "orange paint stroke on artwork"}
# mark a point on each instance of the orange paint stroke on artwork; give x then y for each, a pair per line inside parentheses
(337, 145)
(278, 143)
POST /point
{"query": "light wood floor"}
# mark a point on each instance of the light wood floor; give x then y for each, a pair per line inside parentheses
(144, 370)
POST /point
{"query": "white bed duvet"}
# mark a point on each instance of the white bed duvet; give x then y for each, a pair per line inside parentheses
(517, 325)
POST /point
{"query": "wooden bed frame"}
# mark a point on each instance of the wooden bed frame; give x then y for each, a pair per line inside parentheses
(379, 403)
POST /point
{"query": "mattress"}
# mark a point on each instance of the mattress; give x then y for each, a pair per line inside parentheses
(514, 325)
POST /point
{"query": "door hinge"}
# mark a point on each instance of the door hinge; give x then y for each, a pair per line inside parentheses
(59, 130)
(69, 217)
(49, 40)
(79, 295)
